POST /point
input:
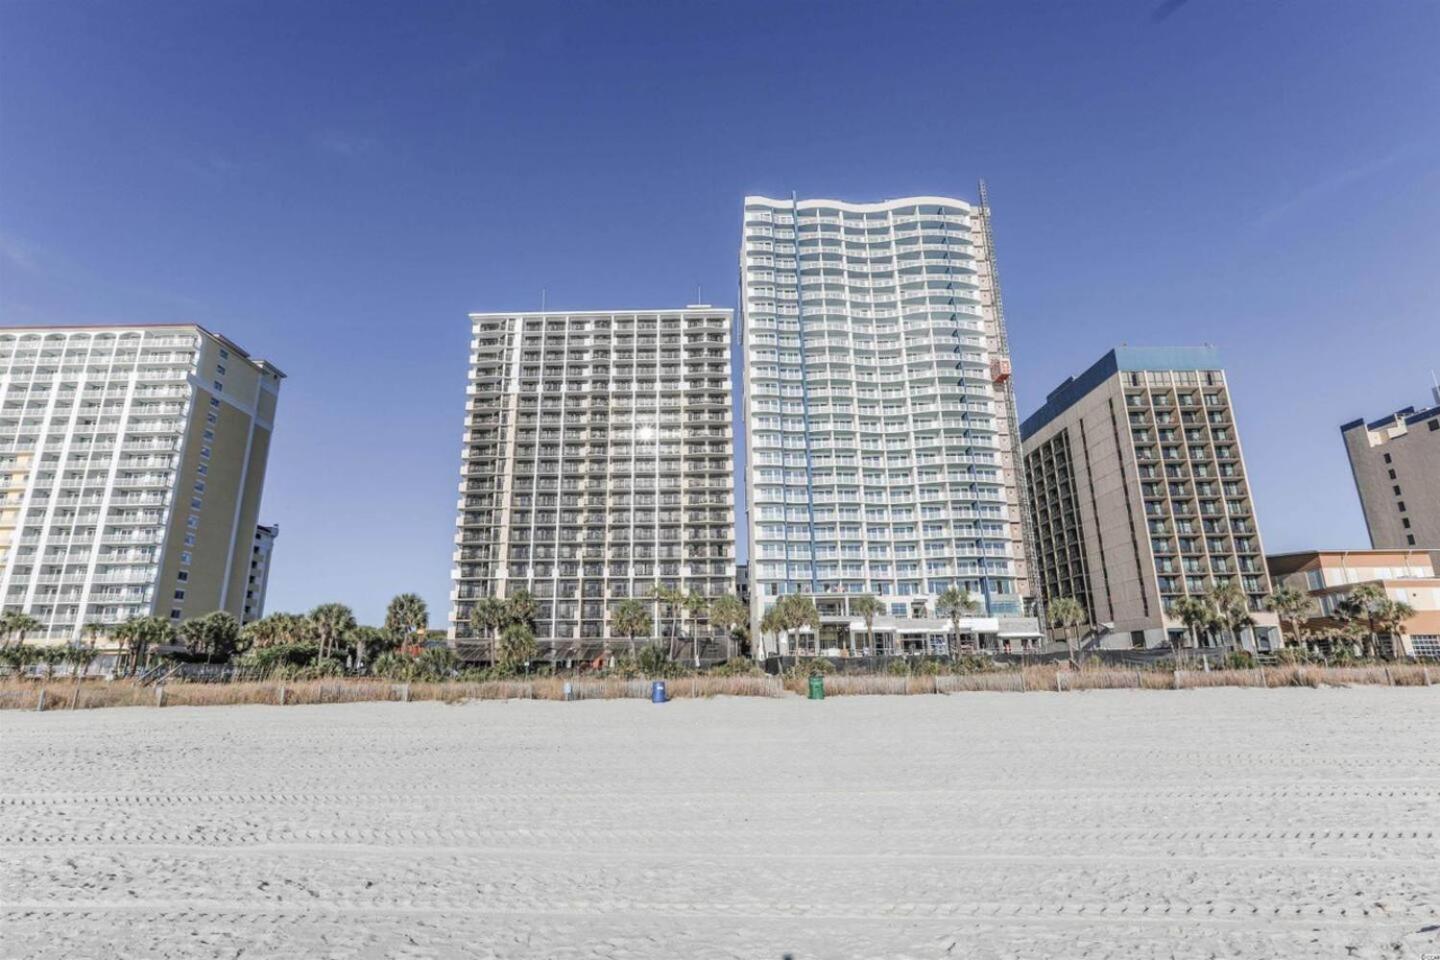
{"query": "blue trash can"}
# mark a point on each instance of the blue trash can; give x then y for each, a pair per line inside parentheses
(657, 691)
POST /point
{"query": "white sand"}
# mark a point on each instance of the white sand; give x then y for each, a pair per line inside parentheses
(1240, 823)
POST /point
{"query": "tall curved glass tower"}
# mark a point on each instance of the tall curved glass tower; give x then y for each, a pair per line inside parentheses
(880, 454)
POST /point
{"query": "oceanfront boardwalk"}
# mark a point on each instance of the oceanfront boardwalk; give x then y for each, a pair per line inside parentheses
(1224, 822)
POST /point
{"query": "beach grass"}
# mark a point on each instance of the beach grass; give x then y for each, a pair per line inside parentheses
(65, 694)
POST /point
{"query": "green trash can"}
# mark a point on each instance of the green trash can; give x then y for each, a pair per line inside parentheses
(817, 687)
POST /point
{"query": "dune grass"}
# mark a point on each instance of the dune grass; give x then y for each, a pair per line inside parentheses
(64, 694)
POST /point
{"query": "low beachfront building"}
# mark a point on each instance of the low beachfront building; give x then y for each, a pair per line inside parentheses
(1332, 576)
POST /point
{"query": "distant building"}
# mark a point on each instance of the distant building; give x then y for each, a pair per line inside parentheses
(742, 583)
(1332, 575)
(597, 465)
(259, 571)
(132, 461)
(1396, 464)
(1140, 497)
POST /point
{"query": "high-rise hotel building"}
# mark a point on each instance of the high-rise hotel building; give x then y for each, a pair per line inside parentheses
(1140, 495)
(881, 446)
(132, 460)
(597, 466)
(1396, 464)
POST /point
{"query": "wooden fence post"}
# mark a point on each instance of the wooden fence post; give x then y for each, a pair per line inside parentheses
(1139, 681)
(282, 694)
(160, 695)
(1058, 687)
(405, 693)
(40, 703)
(1263, 682)
(1177, 678)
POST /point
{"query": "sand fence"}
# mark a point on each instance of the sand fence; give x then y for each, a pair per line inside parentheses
(18, 694)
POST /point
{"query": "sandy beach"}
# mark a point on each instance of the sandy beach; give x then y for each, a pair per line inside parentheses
(1206, 823)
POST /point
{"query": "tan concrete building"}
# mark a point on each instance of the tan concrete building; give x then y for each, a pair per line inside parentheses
(1332, 575)
(597, 465)
(132, 461)
(1139, 495)
(1396, 463)
(259, 579)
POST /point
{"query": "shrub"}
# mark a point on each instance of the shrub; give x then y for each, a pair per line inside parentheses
(737, 667)
(1240, 660)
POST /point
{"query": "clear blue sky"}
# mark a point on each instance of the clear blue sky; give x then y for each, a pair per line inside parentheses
(335, 185)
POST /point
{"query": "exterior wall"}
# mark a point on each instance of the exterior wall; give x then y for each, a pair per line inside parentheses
(1159, 505)
(121, 421)
(598, 463)
(1396, 465)
(258, 579)
(877, 457)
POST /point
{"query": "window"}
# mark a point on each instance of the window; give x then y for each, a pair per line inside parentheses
(224, 354)
(185, 558)
(1392, 474)
(1405, 522)
(1401, 505)
(215, 403)
(179, 594)
(194, 503)
(220, 369)
(183, 575)
(174, 614)
(1396, 488)
(1410, 539)
(209, 434)
(202, 469)
(1435, 424)
(1387, 458)
(189, 539)
(192, 521)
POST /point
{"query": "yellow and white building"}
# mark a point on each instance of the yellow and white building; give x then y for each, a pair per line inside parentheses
(132, 461)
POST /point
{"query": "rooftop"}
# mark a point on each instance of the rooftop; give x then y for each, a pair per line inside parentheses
(230, 344)
(1074, 389)
(1408, 415)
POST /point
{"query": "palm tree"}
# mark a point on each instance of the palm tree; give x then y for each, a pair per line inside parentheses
(729, 614)
(333, 623)
(1067, 613)
(1293, 606)
(517, 645)
(1364, 605)
(51, 655)
(520, 607)
(406, 618)
(1197, 615)
(1390, 616)
(956, 604)
(216, 635)
(797, 612)
(668, 600)
(17, 625)
(487, 617)
(1232, 609)
(365, 641)
(140, 635)
(631, 619)
(696, 606)
(772, 621)
(867, 608)
(79, 656)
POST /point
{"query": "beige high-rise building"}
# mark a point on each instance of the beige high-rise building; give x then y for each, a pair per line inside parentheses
(597, 467)
(1396, 463)
(132, 460)
(1140, 497)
